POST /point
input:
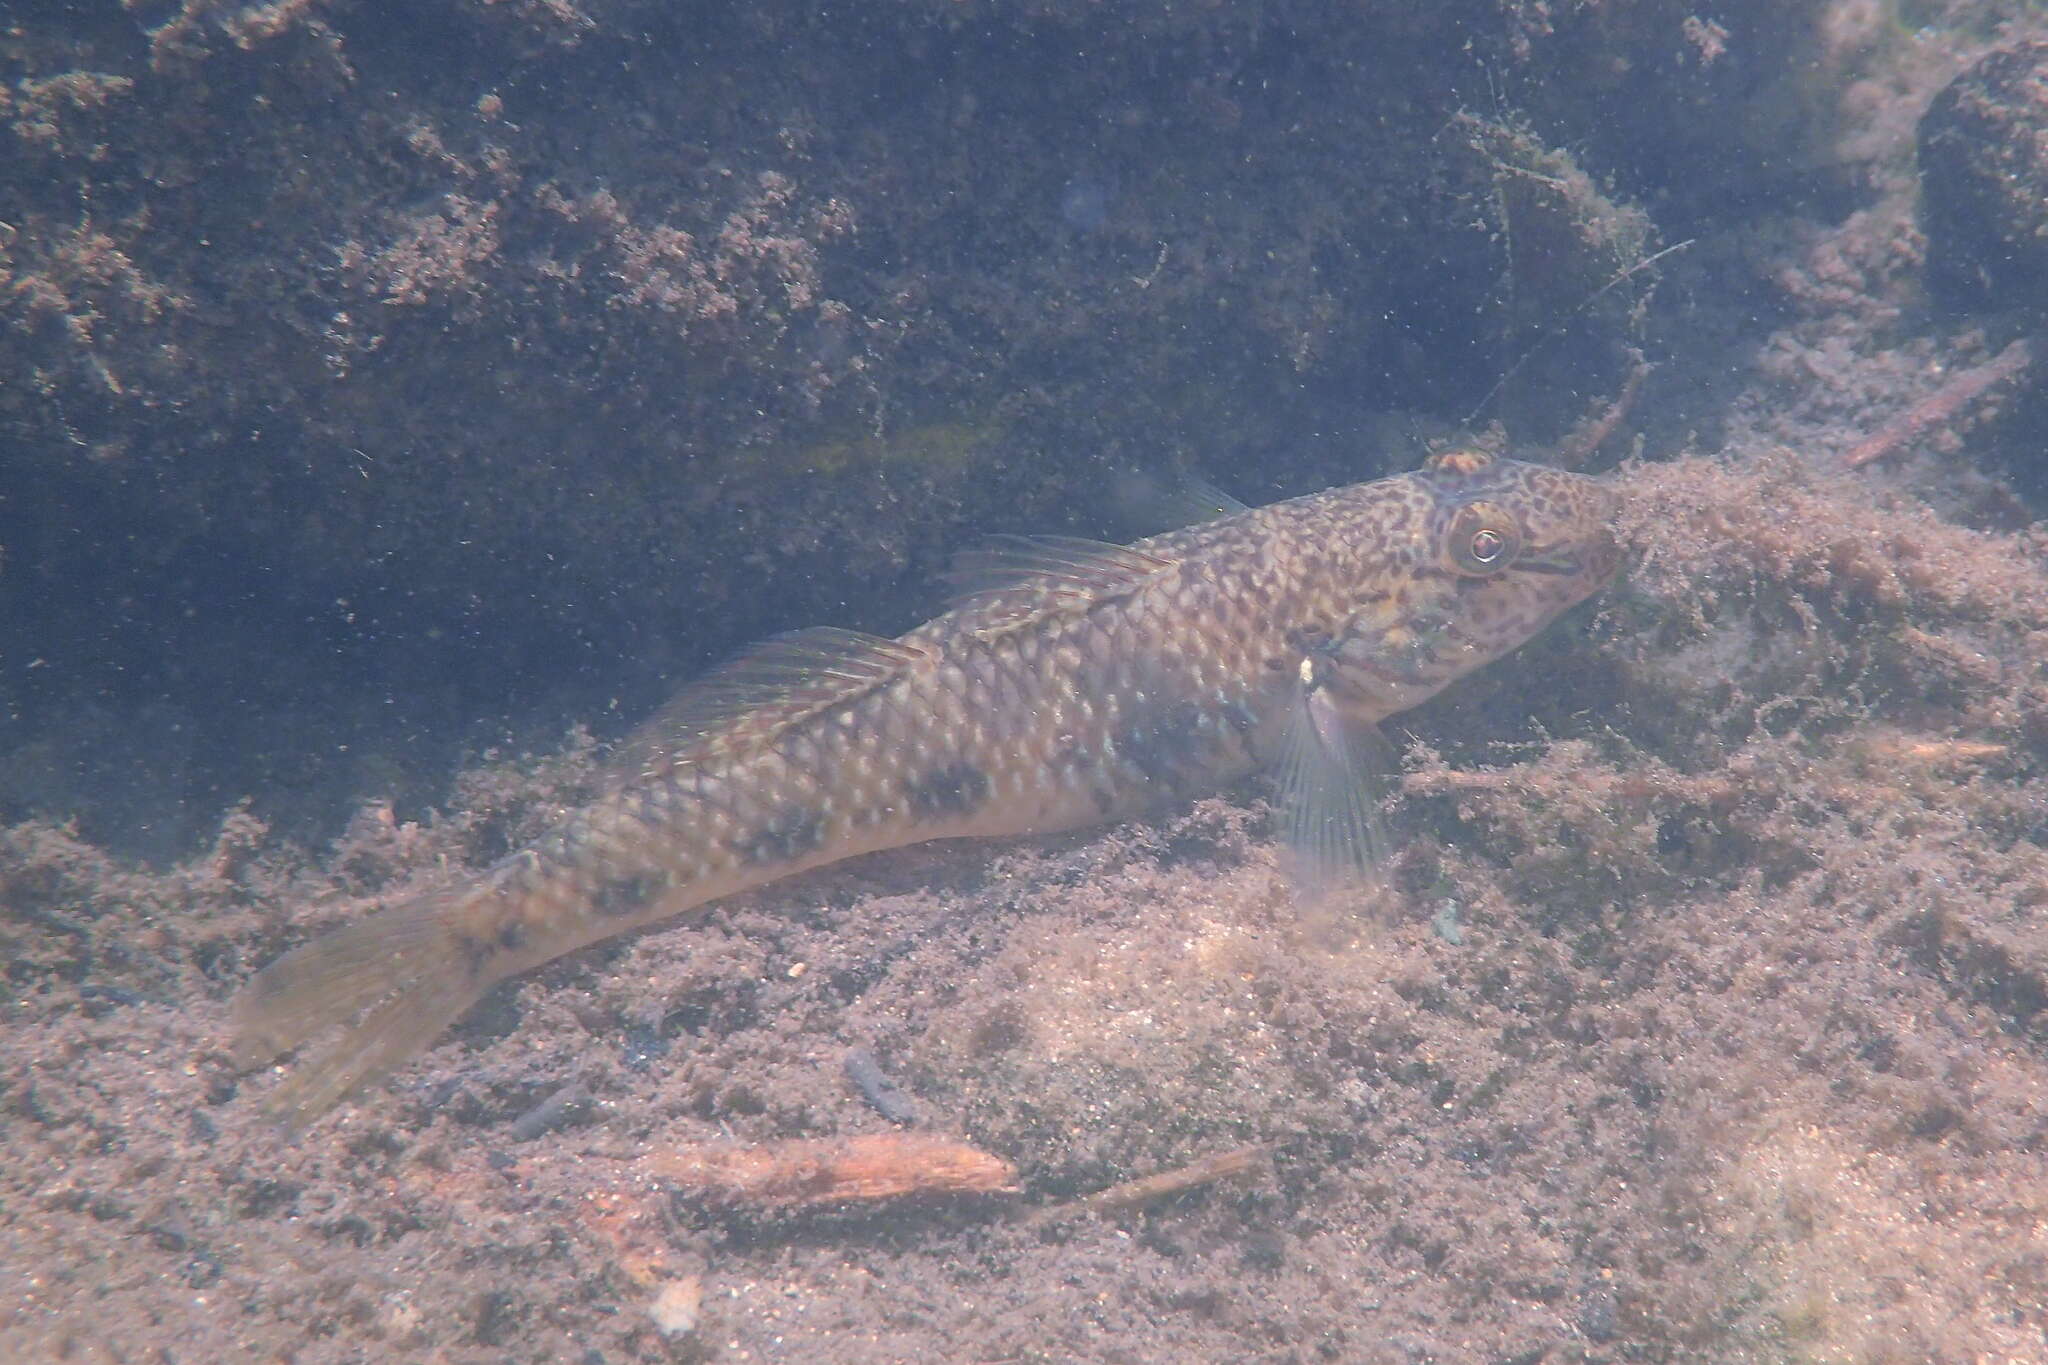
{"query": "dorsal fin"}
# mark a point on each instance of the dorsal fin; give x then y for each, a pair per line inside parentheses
(771, 686)
(1060, 567)
(1149, 504)
(1191, 501)
(1196, 500)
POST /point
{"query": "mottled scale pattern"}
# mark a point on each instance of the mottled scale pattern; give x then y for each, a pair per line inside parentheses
(1071, 683)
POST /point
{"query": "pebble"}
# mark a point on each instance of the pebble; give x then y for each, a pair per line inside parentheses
(677, 1306)
(878, 1088)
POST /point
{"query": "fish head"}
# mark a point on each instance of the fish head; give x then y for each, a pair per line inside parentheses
(1459, 563)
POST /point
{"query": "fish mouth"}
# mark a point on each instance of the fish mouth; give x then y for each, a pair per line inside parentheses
(1561, 565)
(1597, 561)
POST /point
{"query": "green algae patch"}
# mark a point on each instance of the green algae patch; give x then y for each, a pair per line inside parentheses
(1565, 239)
(933, 447)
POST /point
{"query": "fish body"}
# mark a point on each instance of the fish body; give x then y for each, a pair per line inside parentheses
(1072, 683)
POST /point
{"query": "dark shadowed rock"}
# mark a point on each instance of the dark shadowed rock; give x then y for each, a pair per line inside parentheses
(1984, 181)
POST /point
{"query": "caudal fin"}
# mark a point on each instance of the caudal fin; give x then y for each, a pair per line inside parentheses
(409, 966)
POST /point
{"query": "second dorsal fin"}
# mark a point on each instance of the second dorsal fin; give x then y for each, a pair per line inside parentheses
(1151, 507)
(777, 682)
(1055, 566)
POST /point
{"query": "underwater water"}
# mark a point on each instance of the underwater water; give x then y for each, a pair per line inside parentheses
(397, 408)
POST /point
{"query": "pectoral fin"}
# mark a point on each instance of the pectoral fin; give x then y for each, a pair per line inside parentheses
(1331, 786)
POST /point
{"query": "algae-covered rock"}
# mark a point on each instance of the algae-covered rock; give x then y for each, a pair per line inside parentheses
(1984, 180)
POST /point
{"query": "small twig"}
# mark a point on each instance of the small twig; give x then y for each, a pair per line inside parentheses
(1146, 1189)
(806, 1171)
(568, 1104)
(1933, 753)
(1942, 406)
(1147, 280)
(878, 1088)
(1592, 434)
(1555, 328)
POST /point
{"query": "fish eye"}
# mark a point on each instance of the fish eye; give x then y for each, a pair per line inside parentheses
(1483, 539)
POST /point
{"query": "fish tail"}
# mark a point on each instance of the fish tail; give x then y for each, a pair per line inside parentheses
(415, 967)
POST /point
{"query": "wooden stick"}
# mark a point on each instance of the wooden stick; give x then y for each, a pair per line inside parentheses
(1146, 1189)
(805, 1171)
(1941, 406)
